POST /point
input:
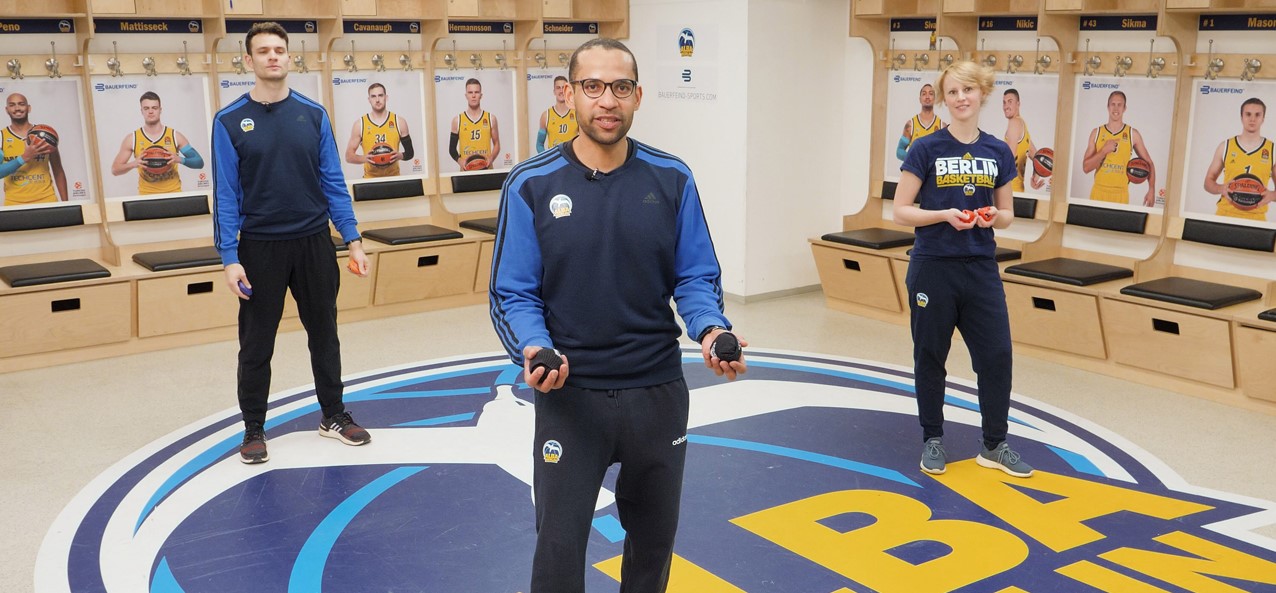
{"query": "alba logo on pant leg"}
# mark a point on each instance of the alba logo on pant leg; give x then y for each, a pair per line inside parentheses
(800, 476)
(551, 451)
(922, 300)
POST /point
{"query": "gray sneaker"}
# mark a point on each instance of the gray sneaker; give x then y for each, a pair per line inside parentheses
(1004, 459)
(934, 459)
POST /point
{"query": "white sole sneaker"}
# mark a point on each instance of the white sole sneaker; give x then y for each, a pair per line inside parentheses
(990, 464)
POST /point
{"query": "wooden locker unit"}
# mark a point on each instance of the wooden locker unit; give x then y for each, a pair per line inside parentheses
(857, 277)
(66, 318)
(425, 272)
(1055, 319)
(184, 303)
(1169, 342)
(483, 276)
(1255, 352)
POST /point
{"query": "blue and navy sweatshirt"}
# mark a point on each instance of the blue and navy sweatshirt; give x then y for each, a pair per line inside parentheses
(587, 263)
(276, 174)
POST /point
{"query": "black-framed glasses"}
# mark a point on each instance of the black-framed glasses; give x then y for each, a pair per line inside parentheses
(594, 88)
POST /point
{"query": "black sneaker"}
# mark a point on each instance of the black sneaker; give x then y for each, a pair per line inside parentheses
(253, 449)
(342, 427)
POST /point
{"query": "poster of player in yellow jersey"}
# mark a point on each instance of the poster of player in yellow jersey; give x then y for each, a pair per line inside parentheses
(1229, 144)
(43, 143)
(477, 130)
(551, 120)
(380, 119)
(152, 133)
(1028, 104)
(912, 111)
(1118, 120)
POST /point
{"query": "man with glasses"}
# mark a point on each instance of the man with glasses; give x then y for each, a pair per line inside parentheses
(593, 240)
(558, 123)
(476, 139)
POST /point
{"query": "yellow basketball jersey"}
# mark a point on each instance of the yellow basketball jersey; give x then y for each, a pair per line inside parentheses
(1237, 161)
(919, 130)
(1110, 181)
(475, 136)
(148, 183)
(32, 183)
(1020, 150)
(373, 134)
(559, 128)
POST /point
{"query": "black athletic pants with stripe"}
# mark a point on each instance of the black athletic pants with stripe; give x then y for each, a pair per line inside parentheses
(644, 430)
(965, 294)
(308, 267)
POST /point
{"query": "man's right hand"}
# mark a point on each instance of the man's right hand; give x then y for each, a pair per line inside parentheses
(1109, 147)
(543, 380)
(234, 275)
(36, 148)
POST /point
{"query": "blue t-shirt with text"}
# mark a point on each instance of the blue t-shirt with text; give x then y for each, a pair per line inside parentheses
(962, 176)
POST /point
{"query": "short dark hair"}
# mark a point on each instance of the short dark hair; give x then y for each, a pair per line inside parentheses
(269, 28)
(473, 81)
(151, 96)
(560, 77)
(375, 85)
(605, 43)
(1123, 97)
(1254, 101)
(1011, 92)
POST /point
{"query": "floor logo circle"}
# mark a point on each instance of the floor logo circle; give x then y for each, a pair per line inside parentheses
(802, 476)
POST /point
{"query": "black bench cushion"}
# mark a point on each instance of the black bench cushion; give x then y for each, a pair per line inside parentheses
(52, 271)
(419, 233)
(1268, 315)
(1025, 208)
(178, 259)
(388, 190)
(1108, 219)
(872, 238)
(1070, 271)
(1193, 293)
(481, 182)
(30, 219)
(166, 208)
(487, 225)
(1229, 235)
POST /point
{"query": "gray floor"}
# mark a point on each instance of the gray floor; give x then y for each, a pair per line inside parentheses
(67, 424)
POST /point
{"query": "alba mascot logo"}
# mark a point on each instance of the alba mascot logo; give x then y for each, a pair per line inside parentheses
(801, 477)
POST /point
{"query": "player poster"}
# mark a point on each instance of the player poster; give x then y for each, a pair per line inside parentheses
(153, 134)
(1121, 139)
(1228, 141)
(380, 123)
(551, 120)
(475, 117)
(1022, 111)
(913, 110)
(52, 174)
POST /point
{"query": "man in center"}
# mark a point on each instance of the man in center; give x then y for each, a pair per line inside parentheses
(595, 237)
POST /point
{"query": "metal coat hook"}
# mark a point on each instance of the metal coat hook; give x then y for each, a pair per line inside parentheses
(476, 60)
(378, 62)
(300, 59)
(183, 62)
(348, 59)
(898, 61)
(920, 60)
(113, 62)
(237, 62)
(405, 60)
(500, 58)
(945, 62)
(15, 68)
(1093, 62)
(450, 59)
(51, 64)
(990, 61)
(1252, 66)
(1214, 65)
(1123, 63)
(1042, 62)
(562, 59)
(148, 64)
(540, 59)
(1013, 63)
(1155, 63)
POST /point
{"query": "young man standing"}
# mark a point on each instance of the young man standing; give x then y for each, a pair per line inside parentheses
(1248, 153)
(154, 134)
(379, 126)
(593, 241)
(476, 137)
(925, 123)
(32, 167)
(278, 183)
(1109, 150)
(1019, 141)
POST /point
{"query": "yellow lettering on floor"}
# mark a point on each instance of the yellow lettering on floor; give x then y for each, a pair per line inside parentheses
(978, 551)
(1012, 590)
(1058, 524)
(1191, 573)
(684, 577)
(1105, 579)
